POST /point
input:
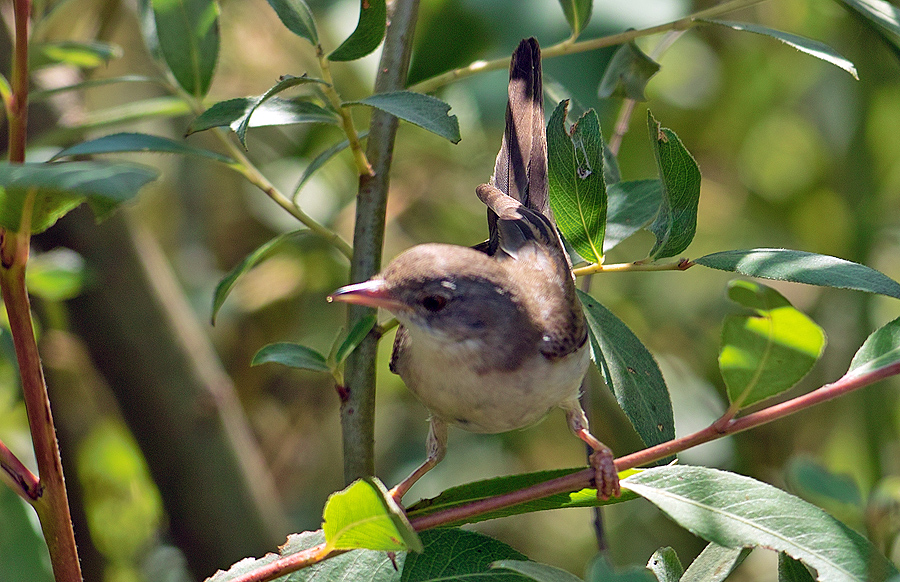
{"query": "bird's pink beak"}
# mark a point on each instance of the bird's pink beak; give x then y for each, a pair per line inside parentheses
(371, 293)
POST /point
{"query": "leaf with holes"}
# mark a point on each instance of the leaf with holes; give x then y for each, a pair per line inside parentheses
(423, 110)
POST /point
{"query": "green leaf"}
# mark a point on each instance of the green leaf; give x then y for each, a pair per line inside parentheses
(578, 14)
(321, 159)
(735, 511)
(23, 552)
(631, 373)
(56, 275)
(260, 254)
(455, 554)
(188, 33)
(464, 494)
(791, 570)
(84, 55)
(274, 111)
(365, 516)
(356, 335)
(676, 222)
(769, 351)
(370, 565)
(811, 479)
(802, 267)
(368, 34)
(60, 187)
(297, 17)
(881, 16)
(665, 565)
(715, 563)
(576, 185)
(881, 349)
(811, 47)
(291, 355)
(600, 570)
(286, 82)
(631, 207)
(139, 142)
(427, 112)
(535, 571)
(627, 74)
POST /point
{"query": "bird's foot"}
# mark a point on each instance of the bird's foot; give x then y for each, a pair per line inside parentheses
(606, 478)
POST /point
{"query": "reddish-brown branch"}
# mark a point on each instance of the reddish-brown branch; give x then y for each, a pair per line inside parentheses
(17, 476)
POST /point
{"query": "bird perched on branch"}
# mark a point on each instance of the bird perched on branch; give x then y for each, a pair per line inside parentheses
(493, 337)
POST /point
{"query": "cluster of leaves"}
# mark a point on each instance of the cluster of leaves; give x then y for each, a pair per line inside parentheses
(765, 350)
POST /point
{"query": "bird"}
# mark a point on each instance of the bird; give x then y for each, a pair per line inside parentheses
(493, 337)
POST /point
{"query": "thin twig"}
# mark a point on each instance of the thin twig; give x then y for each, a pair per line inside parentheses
(19, 478)
(567, 47)
(680, 265)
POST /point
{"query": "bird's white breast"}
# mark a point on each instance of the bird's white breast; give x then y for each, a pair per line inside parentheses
(489, 402)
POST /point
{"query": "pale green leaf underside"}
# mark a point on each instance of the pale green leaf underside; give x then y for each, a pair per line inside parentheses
(364, 516)
(735, 511)
(881, 349)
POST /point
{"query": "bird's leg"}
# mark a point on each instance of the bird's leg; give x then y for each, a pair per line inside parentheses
(606, 478)
(436, 446)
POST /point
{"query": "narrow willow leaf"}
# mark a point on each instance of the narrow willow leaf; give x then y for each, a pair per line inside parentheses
(286, 82)
(715, 563)
(815, 48)
(812, 480)
(260, 254)
(769, 350)
(535, 571)
(881, 16)
(60, 187)
(631, 207)
(139, 142)
(880, 349)
(676, 222)
(321, 159)
(802, 267)
(578, 14)
(456, 554)
(84, 55)
(291, 355)
(368, 34)
(576, 184)
(465, 494)
(631, 373)
(365, 516)
(296, 17)
(274, 111)
(791, 570)
(665, 565)
(356, 335)
(188, 32)
(735, 511)
(90, 84)
(627, 74)
(369, 565)
(423, 110)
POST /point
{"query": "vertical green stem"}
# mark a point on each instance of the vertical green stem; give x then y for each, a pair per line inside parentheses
(358, 405)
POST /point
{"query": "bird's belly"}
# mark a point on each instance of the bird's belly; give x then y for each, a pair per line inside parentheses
(495, 401)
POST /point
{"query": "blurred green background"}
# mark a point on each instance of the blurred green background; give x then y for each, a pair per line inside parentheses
(794, 153)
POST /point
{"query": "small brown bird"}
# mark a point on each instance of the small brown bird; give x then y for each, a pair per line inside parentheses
(493, 337)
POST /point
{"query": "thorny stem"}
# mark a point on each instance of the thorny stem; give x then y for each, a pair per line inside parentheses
(363, 167)
(568, 47)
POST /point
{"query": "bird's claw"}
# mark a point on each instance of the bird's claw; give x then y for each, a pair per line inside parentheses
(606, 478)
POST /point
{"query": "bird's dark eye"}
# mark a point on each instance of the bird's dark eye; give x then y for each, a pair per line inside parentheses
(434, 303)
